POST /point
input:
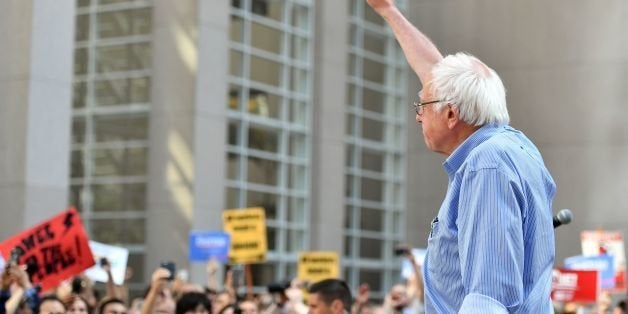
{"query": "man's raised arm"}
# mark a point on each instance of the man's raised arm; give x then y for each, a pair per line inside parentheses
(420, 52)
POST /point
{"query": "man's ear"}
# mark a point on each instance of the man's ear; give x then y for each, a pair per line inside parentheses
(337, 306)
(453, 116)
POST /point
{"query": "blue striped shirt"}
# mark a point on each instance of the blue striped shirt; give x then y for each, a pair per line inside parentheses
(491, 247)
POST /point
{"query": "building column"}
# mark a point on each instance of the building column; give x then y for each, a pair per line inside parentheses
(328, 160)
(171, 141)
(35, 114)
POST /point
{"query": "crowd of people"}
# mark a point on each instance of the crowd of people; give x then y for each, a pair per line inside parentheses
(169, 294)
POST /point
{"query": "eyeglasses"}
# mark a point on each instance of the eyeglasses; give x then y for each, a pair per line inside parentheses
(418, 107)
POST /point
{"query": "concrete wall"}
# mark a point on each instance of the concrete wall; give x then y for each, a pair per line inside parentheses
(35, 113)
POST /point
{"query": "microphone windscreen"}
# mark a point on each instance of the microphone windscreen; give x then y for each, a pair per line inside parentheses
(565, 216)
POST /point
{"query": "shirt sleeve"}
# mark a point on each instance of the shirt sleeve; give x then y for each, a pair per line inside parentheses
(490, 240)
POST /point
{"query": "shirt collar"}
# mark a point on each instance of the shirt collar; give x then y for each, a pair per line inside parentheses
(455, 160)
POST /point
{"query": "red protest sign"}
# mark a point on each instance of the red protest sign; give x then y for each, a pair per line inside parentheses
(53, 250)
(575, 285)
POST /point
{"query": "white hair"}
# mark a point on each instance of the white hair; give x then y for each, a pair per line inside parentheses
(471, 87)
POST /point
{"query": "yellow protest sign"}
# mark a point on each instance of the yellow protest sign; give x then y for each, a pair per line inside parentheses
(247, 228)
(317, 265)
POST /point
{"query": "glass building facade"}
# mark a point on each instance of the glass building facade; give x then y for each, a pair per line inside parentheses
(269, 112)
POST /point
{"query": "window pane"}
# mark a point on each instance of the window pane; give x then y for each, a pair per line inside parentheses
(122, 91)
(349, 186)
(264, 104)
(79, 94)
(300, 17)
(82, 27)
(298, 112)
(266, 38)
(295, 241)
(119, 231)
(371, 16)
(271, 235)
(297, 144)
(236, 29)
(235, 63)
(296, 177)
(296, 209)
(233, 198)
(348, 246)
(77, 168)
(372, 189)
(299, 80)
(372, 219)
(373, 129)
(371, 248)
(373, 100)
(233, 166)
(124, 23)
(262, 171)
(75, 197)
(373, 71)
(265, 71)
(128, 57)
(299, 48)
(263, 273)
(372, 277)
(266, 200)
(120, 162)
(235, 97)
(372, 160)
(119, 197)
(120, 128)
(78, 130)
(374, 42)
(349, 214)
(263, 139)
(81, 59)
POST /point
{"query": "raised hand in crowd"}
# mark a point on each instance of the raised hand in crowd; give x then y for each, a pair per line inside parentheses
(159, 297)
(361, 299)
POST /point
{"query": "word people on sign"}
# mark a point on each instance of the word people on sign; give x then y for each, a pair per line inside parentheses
(52, 251)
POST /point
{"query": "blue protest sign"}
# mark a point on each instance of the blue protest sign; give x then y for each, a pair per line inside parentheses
(205, 245)
(602, 263)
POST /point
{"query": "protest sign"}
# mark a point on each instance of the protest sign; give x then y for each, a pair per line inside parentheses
(406, 266)
(53, 251)
(316, 265)
(206, 245)
(602, 263)
(247, 229)
(575, 285)
(117, 258)
(601, 242)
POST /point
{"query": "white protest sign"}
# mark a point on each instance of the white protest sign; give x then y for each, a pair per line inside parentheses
(406, 266)
(117, 258)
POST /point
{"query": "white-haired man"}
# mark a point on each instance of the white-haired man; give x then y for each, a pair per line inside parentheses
(491, 247)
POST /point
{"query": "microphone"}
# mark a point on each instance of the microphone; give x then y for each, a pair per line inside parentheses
(563, 217)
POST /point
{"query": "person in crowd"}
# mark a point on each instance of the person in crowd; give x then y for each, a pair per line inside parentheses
(193, 303)
(15, 288)
(491, 245)
(77, 305)
(248, 307)
(329, 296)
(51, 304)
(620, 308)
(159, 298)
(112, 306)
